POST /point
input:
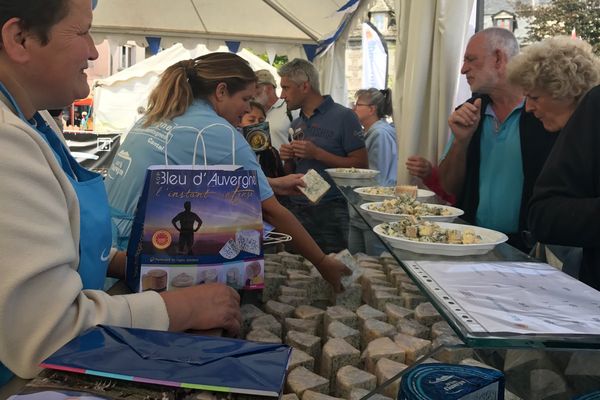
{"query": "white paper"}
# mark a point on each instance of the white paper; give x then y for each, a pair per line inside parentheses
(513, 297)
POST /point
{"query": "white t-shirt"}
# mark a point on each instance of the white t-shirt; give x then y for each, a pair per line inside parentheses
(279, 123)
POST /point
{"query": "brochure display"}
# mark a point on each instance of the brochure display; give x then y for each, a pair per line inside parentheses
(194, 225)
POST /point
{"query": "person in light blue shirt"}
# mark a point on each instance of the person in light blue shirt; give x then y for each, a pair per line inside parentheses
(211, 94)
(372, 107)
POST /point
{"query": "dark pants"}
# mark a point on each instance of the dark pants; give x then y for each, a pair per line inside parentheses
(327, 223)
(186, 238)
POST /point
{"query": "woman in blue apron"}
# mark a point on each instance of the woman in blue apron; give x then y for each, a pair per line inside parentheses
(55, 244)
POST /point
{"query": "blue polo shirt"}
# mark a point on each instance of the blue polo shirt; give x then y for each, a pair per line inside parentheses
(335, 129)
(500, 171)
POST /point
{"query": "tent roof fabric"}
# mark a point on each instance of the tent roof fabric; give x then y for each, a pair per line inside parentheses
(254, 22)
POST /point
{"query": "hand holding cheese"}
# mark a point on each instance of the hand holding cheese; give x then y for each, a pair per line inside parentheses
(316, 186)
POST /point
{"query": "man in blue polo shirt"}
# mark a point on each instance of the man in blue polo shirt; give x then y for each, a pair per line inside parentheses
(497, 149)
(326, 135)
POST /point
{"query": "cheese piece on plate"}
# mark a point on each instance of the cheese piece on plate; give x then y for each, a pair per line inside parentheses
(316, 186)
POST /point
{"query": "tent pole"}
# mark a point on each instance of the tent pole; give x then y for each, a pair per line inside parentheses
(291, 19)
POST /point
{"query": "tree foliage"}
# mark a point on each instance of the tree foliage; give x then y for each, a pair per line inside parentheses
(560, 17)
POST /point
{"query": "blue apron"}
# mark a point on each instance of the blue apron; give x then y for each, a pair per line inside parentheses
(94, 215)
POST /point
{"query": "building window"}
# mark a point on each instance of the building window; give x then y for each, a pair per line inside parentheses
(126, 59)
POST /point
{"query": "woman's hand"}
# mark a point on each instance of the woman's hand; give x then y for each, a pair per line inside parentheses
(287, 185)
(203, 307)
(333, 271)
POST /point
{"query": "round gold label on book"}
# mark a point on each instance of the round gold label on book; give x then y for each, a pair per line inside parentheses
(161, 239)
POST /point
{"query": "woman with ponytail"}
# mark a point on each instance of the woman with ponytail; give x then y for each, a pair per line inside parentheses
(215, 88)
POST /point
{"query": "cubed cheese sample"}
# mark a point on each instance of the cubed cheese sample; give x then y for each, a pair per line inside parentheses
(350, 297)
(263, 336)
(279, 310)
(300, 358)
(339, 330)
(413, 328)
(302, 325)
(371, 264)
(381, 348)
(341, 314)
(310, 312)
(380, 298)
(267, 322)
(395, 313)
(316, 186)
(413, 347)
(290, 291)
(426, 314)
(386, 369)
(412, 300)
(409, 287)
(294, 301)
(441, 328)
(310, 344)
(336, 354)
(301, 379)
(373, 329)
(350, 377)
(448, 354)
(290, 396)
(366, 312)
(358, 394)
(249, 312)
(272, 283)
(310, 395)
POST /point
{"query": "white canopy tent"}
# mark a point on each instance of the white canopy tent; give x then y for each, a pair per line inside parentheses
(118, 98)
(430, 42)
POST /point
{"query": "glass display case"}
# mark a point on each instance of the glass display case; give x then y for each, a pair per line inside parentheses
(524, 317)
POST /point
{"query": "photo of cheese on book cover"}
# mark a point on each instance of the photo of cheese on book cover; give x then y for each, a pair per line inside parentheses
(316, 186)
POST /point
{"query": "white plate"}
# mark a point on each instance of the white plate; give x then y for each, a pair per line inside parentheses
(422, 194)
(358, 173)
(388, 217)
(489, 237)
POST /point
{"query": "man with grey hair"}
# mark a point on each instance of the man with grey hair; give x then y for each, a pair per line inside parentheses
(326, 135)
(497, 149)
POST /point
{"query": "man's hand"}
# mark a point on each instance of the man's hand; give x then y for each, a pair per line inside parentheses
(418, 166)
(464, 121)
(202, 307)
(287, 185)
(286, 152)
(332, 271)
(305, 149)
